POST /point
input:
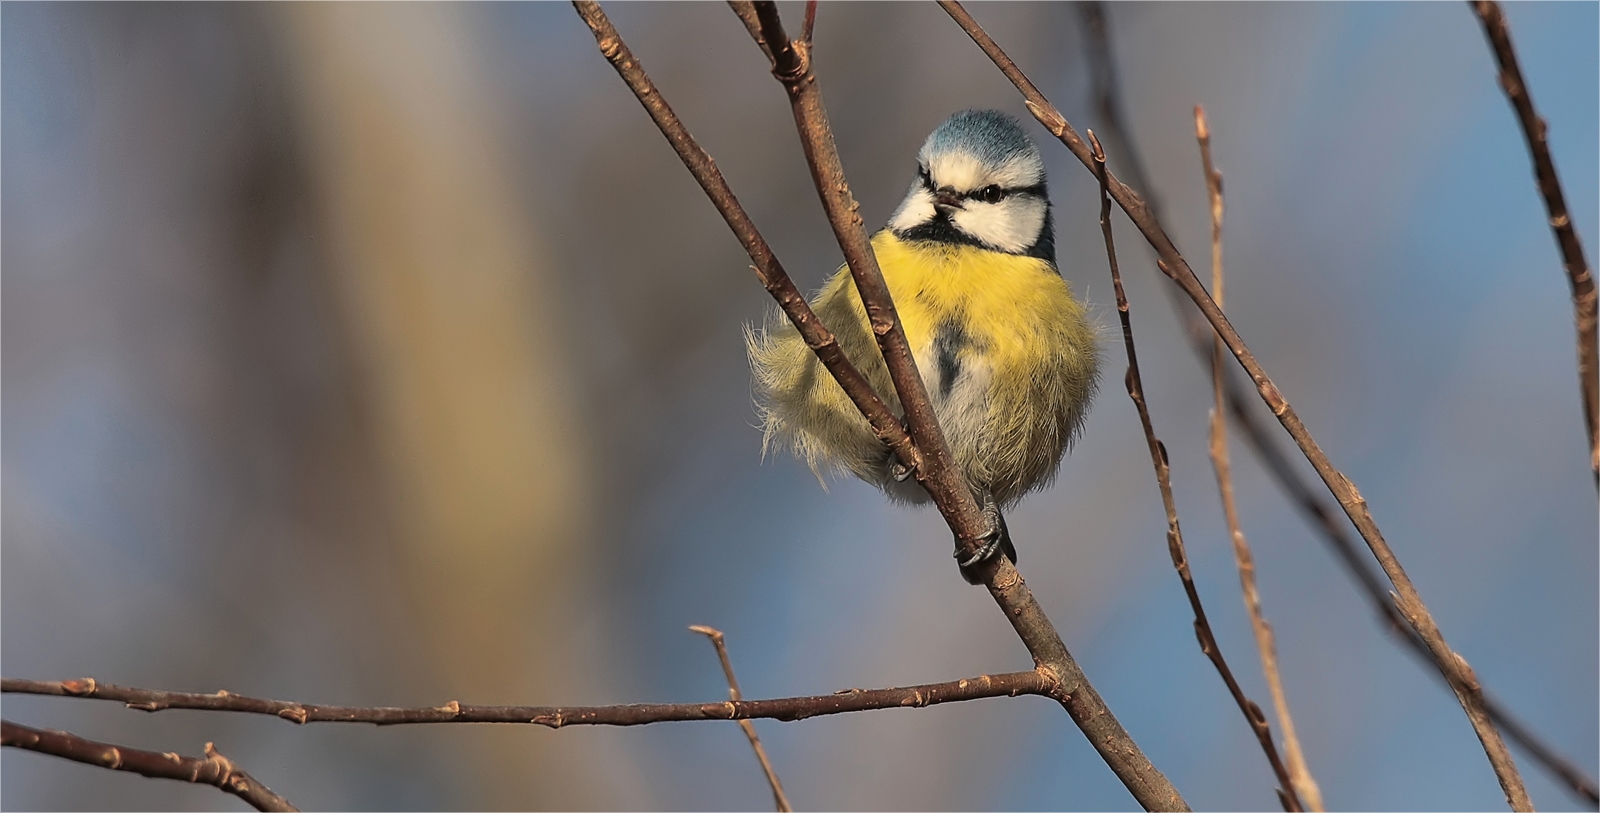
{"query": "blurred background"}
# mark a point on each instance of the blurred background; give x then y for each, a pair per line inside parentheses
(385, 354)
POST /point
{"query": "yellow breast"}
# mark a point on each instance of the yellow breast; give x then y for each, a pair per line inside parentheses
(1007, 354)
(1016, 307)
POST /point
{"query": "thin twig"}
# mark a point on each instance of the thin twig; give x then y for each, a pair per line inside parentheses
(791, 65)
(1175, 547)
(779, 800)
(1299, 774)
(1462, 679)
(771, 273)
(215, 770)
(810, 22)
(1010, 684)
(1312, 506)
(1555, 203)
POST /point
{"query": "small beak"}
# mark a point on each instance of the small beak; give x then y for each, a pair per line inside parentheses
(946, 198)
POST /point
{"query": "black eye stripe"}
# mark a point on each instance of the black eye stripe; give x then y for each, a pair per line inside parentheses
(992, 193)
(1037, 190)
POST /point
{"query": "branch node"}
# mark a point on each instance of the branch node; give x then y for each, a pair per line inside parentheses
(79, 687)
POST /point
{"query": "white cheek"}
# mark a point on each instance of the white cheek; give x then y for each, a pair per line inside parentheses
(914, 211)
(1011, 225)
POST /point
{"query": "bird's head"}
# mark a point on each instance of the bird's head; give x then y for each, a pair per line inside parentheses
(980, 181)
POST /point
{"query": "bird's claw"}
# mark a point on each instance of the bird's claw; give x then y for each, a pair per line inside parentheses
(986, 551)
(899, 472)
(989, 541)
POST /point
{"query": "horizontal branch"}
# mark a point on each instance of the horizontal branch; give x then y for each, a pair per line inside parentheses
(215, 770)
(1010, 684)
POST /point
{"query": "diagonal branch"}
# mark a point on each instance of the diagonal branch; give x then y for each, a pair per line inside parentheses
(1069, 685)
(1555, 203)
(791, 65)
(215, 770)
(1409, 603)
(779, 799)
(1009, 684)
(1180, 558)
(777, 282)
(1312, 506)
(1305, 786)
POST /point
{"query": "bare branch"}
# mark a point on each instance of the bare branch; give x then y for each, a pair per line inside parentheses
(767, 268)
(215, 770)
(1072, 688)
(779, 800)
(1312, 506)
(1305, 786)
(1555, 203)
(1009, 684)
(791, 65)
(810, 23)
(1158, 458)
(1409, 603)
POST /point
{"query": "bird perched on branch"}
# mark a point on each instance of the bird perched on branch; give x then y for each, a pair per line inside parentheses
(1008, 356)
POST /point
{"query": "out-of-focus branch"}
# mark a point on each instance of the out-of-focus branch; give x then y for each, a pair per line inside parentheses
(767, 268)
(791, 65)
(1104, 81)
(1312, 506)
(215, 770)
(1180, 557)
(1462, 679)
(1555, 203)
(779, 799)
(1009, 684)
(1305, 787)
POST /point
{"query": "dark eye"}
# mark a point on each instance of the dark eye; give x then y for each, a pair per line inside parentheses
(991, 194)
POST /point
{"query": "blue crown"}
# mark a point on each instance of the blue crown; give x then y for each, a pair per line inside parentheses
(990, 136)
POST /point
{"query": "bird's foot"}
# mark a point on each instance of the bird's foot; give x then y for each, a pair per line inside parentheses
(989, 540)
(995, 539)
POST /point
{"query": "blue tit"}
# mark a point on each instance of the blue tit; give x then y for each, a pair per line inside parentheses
(1008, 356)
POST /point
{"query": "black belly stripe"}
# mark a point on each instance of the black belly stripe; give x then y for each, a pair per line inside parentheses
(948, 342)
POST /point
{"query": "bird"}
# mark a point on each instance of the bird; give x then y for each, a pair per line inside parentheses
(1009, 357)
